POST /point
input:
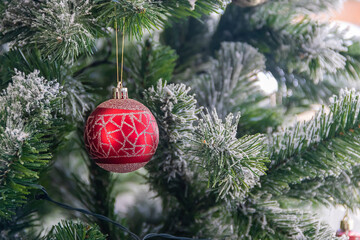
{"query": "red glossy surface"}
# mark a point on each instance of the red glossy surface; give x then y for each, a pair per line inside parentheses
(350, 234)
(121, 132)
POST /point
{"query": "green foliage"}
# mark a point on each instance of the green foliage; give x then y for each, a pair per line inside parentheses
(22, 225)
(175, 111)
(69, 230)
(186, 201)
(230, 84)
(28, 128)
(135, 16)
(148, 62)
(211, 172)
(190, 38)
(265, 219)
(321, 148)
(26, 61)
(62, 30)
(340, 190)
(233, 166)
(77, 101)
(306, 57)
(230, 81)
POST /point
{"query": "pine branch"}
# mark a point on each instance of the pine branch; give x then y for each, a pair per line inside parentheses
(22, 224)
(300, 52)
(136, 16)
(148, 62)
(175, 110)
(28, 127)
(78, 99)
(233, 166)
(265, 219)
(62, 30)
(185, 199)
(321, 52)
(352, 55)
(298, 90)
(230, 84)
(341, 190)
(323, 147)
(69, 230)
(230, 81)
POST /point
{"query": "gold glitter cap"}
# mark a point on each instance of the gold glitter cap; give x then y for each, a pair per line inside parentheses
(346, 223)
(120, 92)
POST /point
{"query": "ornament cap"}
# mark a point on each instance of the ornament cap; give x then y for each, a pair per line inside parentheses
(120, 92)
(346, 223)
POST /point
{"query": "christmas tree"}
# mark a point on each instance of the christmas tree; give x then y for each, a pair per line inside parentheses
(231, 162)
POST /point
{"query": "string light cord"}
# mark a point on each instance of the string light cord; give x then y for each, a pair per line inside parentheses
(45, 196)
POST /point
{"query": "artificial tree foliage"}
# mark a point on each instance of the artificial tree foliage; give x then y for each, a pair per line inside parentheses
(232, 163)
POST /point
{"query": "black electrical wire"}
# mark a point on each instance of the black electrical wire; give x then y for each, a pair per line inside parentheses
(45, 196)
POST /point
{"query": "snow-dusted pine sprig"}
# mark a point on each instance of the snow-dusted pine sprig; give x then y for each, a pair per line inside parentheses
(229, 84)
(266, 219)
(60, 29)
(171, 172)
(325, 146)
(233, 165)
(307, 47)
(78, 100)
(27, 116)
(25, 96)
(332, 190)
(136, 16)
(79, 95)
(175, 110)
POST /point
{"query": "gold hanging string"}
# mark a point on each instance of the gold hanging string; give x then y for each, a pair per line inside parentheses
(122, 55)
(117, 49)
(117, 54)
(345, 222)
(119, 92)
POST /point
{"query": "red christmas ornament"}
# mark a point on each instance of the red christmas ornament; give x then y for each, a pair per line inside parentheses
(121, 134)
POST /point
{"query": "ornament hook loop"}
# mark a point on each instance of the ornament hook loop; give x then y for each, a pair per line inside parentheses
(345, 224)
(120, 92)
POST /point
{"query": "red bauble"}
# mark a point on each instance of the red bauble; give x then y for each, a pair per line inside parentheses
(350, 234)
(121, 135)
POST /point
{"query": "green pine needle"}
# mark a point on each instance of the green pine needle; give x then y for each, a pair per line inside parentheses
(323, 147)
(70, 230)
(232, 165)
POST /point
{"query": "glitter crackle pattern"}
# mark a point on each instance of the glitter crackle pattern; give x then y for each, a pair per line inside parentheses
(121, 136)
